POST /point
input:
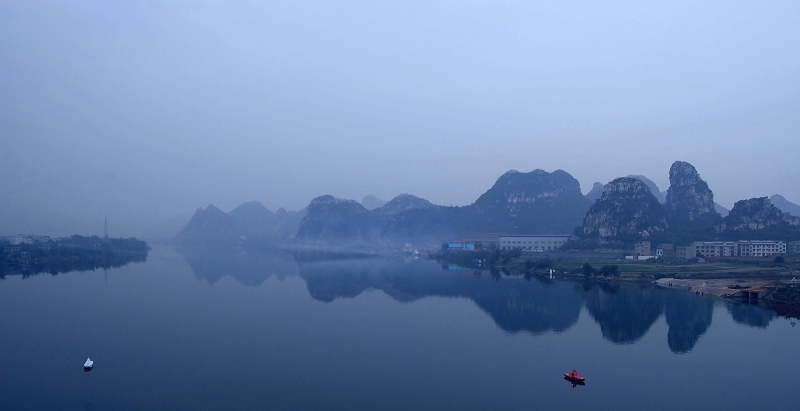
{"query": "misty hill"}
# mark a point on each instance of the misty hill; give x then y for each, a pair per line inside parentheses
(758, 219)
(785, 205)
(595, 192)
(626, 212)
(249, 222)
(652, 186)
(251, 218)
(535, 202)
(331, 219)
(370, 202)
(721, 210)
(689, 201)
(597, 189)
(210, 226)
(404, 202)
(334, 220)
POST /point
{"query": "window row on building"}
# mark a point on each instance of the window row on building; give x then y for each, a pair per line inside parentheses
(533, 242)
(745, 248)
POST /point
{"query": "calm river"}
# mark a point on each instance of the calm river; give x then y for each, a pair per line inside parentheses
(215, 330)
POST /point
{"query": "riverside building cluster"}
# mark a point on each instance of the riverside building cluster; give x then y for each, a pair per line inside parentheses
(742, 248)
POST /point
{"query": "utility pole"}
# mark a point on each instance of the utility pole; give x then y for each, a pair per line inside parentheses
(105, 228)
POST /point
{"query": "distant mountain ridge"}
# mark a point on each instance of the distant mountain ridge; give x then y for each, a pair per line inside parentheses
(250, 221)
(625, 212)
(759, 219)
(619, 213)
(370, 202)
(595, 192)
(536, 202)
(785, 205)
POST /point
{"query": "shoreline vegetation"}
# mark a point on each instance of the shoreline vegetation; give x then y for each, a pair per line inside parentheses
(767, 281)
(76, 253)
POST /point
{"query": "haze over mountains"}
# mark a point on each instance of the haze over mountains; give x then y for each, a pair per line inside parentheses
(249, 222)
(536, 202)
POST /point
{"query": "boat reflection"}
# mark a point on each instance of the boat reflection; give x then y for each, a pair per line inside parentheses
(574, 383)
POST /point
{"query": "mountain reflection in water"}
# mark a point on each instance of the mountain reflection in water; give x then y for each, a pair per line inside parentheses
(624, 313)
(514, 304)
(531, 304)
(249, 267)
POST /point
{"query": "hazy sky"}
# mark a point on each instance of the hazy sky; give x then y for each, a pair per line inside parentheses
(147, 111)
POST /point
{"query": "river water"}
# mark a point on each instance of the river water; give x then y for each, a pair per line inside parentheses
(207, 330)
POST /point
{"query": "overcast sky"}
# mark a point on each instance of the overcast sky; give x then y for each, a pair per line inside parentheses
(146, 111)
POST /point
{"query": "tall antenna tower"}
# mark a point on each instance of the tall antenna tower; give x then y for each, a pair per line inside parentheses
(105, 228)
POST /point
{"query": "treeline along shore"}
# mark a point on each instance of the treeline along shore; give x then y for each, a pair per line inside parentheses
(75, 253)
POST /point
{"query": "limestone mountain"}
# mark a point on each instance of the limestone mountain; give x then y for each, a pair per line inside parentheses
(689, 201)
(597, 189)
(346, 222)
(627, 211)
(756, 219)
(653, 187)
(595, 192)
(370, 202)
(209, 226)
(721, 210)
(285, 223)
(432, 225)
(331, 219)
(250, 221)
(251, 218)
(536, 202)
(785, 205)
(404, 202)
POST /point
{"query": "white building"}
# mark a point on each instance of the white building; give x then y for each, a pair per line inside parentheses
(761, 248)
(715, 248)
(745, 248)
(20, 239)
(533, 242)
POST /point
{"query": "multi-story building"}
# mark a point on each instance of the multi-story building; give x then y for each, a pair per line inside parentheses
(486, 240)
(715, 249)
(21, 239)
(643, 248)
(533, 242)
(685, 252)
(665, 250)
(745, 248)
(793, 247)
(761, 248)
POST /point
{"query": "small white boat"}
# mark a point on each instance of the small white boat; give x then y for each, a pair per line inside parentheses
(87, 366)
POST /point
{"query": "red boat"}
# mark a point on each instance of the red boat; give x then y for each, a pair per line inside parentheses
(573, 376)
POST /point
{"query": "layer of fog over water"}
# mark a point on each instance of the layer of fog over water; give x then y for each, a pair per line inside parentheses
(203, 329)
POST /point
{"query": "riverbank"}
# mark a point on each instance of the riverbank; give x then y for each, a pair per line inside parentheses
(715, 274)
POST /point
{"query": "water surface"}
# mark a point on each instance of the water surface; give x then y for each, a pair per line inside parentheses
(236, 330)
